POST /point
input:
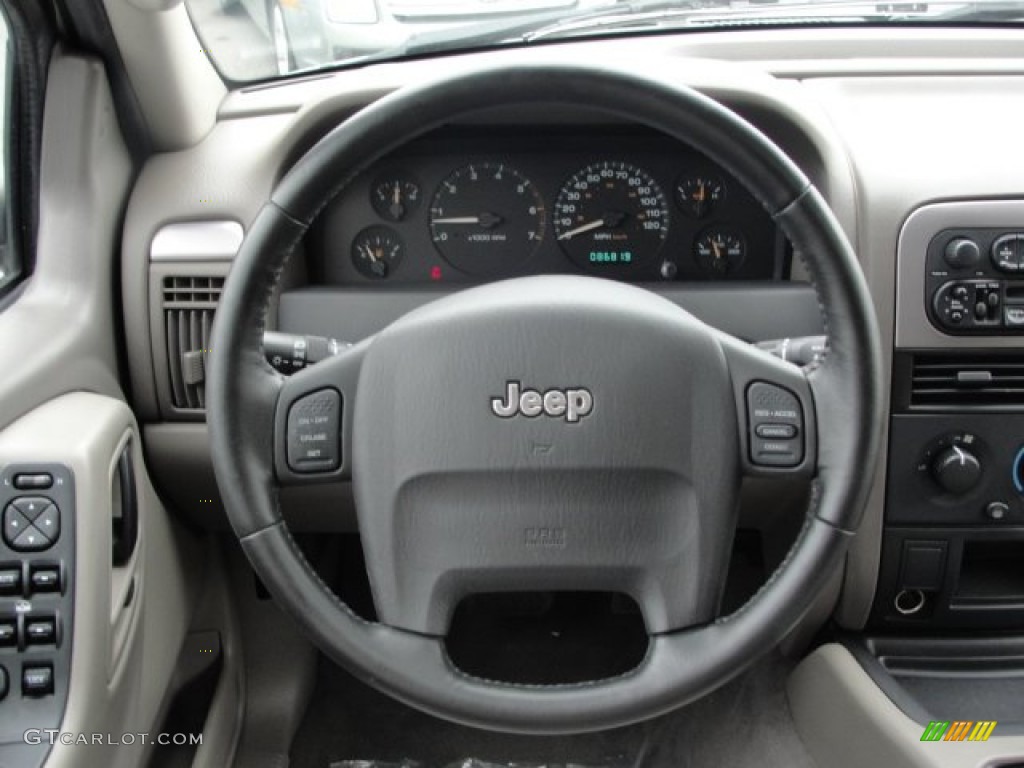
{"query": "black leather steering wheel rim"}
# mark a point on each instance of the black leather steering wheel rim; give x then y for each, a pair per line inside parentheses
(679, 666)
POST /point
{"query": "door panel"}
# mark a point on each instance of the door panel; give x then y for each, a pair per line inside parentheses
(120, 627)
(128, 621)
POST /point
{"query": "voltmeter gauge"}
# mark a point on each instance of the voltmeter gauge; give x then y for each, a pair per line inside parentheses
(376, 252)
(720, 251)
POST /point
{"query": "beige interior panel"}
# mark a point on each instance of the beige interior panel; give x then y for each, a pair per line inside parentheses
(845, 721)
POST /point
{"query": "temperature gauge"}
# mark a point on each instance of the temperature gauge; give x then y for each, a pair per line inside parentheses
(395, 198)
(698, 195)
(720, 250)
(376, 251)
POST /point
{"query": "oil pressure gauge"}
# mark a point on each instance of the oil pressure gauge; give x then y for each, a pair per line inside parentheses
(376, 252)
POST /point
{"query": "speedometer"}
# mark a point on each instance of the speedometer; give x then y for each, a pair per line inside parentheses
(611, 213)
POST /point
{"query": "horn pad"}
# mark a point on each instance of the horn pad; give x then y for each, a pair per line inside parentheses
(546, 433)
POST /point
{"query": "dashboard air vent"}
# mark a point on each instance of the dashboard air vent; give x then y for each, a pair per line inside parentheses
(986, 379)
(189, 304)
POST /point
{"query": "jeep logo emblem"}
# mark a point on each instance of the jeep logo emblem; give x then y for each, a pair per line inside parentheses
(570, 404)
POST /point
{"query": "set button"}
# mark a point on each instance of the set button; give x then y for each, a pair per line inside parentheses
(31, 524)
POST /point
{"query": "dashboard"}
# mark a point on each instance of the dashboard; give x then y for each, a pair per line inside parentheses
(476, 203)
(890, 183)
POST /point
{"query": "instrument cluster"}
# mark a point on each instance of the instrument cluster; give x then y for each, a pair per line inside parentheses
(472, 205)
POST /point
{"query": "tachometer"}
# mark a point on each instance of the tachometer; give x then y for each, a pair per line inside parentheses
(611, 213)
(486, 219)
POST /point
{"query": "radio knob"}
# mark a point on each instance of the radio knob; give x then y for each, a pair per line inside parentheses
(962, 252)
(956, 471)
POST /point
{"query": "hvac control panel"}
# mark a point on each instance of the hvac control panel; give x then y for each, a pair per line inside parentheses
(36, 600)
(974, 282)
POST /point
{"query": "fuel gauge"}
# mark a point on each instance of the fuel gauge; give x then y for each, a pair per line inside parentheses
(376, 251)
(395, 198)
(698, 195)
(720, 250)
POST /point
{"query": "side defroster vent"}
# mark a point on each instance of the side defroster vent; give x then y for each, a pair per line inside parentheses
(976, 380)
(189, 304)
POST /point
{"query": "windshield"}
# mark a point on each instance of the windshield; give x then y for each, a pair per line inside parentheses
(252, 40)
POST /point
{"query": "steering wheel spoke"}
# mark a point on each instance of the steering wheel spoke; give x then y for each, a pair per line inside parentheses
(313, 420)
(775, 412)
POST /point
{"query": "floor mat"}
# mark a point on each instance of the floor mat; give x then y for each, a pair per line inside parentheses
(745, 723)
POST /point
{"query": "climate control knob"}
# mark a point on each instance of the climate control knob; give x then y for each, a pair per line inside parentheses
(956, 471)
(962, 252)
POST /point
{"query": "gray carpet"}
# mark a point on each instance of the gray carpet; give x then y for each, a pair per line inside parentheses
(745, 723)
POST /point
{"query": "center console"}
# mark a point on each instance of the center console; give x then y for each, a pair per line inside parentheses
(953, 542)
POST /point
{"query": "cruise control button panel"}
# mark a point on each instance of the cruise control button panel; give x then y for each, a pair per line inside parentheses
(37, 537)
(775, 426)
(314, 432)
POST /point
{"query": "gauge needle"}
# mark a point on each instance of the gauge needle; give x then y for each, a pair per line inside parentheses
(397, 197)
(486, 220)
(582, 228)
(370, 253)
(717, 249)
(610, 219)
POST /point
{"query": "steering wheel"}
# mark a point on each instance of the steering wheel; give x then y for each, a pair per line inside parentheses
(554, 432)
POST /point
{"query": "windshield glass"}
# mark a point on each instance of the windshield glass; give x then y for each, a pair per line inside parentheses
(259, 39)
